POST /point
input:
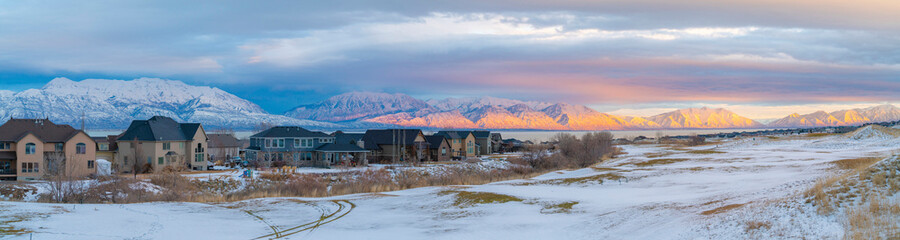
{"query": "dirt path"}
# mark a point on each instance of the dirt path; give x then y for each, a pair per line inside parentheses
(344, 208)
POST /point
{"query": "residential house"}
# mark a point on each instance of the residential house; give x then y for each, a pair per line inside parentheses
(462, 143)
(496, 143)
(106, 147)
(33, 148)
(296, 146)
(483, 142)
(395, 145)
(160, 142)
(438, 148)
(223, 147)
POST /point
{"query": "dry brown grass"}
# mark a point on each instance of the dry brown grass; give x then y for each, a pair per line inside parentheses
(463, 199)
(856, 163)
(660, 161)
(722, 209)
(704, 152)
(876, 219)
(757, 225)
(817, 135)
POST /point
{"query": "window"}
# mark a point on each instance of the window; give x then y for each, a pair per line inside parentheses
(326, 140)
(281, 143)
(181, 145)
(199, 157)
(160, 160)
(59, 147)
(443, 151)
(268, 143)
(149, 160)
(90, 164)
(471, 150)
(29, 148)
(80, 148)
(28, 167)
(103, 146)
(125, 161)
(4, 145)
(199, 148)
(167, 146)
(305, 142)
(296, 143)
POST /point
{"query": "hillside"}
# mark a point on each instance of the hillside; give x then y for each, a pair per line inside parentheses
(881, 113)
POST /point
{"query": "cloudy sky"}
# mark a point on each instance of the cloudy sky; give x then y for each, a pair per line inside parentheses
(760, 58)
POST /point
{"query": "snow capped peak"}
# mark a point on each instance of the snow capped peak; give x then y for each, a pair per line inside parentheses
(114, 104)
(356, 106)
(59, 82)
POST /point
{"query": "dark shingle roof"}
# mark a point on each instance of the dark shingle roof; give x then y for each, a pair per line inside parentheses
(373, 138)
(218, 140)
(340, 147)
(348, 138)
(481, 134)
(453, 134)
(288, 131)
(434, 142)
(43, 129)
(160, 129)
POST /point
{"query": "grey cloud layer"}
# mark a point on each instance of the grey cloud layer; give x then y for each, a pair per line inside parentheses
(739, 51)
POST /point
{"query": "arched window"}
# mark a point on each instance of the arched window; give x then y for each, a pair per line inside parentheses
(199, 147)
(30, 148)
(80, 148)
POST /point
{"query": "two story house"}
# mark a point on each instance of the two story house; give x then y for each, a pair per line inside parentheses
(33, 148)
(396, 145)
(223, 147)
(438, 148)
(296, 146)
(160, 142)
(483, 142)
(462, 143)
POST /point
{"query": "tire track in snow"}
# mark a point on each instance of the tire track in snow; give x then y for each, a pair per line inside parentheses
(344, 208)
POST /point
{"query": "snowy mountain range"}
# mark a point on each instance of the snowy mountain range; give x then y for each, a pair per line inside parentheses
(881, 113)
(113, 104)
(499, 113)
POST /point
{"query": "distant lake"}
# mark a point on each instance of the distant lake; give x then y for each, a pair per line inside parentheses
(535, 136)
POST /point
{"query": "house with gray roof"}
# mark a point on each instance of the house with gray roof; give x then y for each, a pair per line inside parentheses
(223, 147)
(297, 146)
(161, 142)
(395, 145)
(438, 148)
(462, 143)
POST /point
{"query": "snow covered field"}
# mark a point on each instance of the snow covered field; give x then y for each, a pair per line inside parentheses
(653, 192)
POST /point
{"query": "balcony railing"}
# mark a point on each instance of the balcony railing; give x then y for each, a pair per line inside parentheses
(7, 171)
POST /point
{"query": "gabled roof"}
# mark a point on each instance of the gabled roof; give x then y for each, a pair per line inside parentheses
(454, 134)
(219, 140)
(45, 130)
(348, 138)
(481, 134)
(434, 142)
(340, 147)
(289, 131)
(373, 138)
(160, 128)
